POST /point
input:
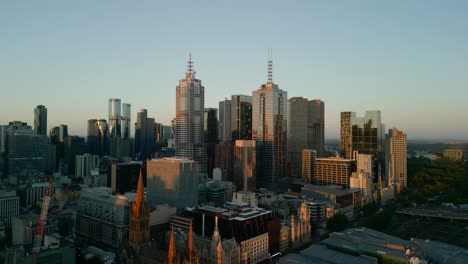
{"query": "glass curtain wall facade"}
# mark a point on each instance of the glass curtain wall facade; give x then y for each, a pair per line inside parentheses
(269, 129)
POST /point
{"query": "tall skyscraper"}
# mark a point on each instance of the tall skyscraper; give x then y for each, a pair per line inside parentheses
(114, 117)
(98, 141)
(211, 137)
(346, 139)
(395, 157)
(306, 130)
(145, 135)
(241, 117)
(57, 136)
(316, 126)
(190, 106)
(269, 129)
(225, 120)
(126, 120)
(297, 132)
(365, 135)
(40, 120)
(245, 162)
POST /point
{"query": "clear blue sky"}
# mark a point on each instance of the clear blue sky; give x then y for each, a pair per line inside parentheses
(408, 59)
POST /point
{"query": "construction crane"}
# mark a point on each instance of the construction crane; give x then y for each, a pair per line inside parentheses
(42, 221)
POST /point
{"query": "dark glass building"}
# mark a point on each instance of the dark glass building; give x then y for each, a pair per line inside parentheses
(40, 120)
(24, 149)
(98, 141)
(124, 177)
(211, 137)
(145, 135)
(241, 117)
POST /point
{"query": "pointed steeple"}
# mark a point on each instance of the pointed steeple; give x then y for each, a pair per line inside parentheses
(140, 203)
(171, 254)
(216, 230)
(190, 241)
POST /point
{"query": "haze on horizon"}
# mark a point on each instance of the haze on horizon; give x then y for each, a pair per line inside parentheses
(407, 59)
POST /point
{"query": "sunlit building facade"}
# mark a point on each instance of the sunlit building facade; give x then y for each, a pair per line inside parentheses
(395, 153)
(269, 129)
(114, 117)
(190, 107)
(98, 140)
(334, 171)
(173, 181)
(245, 162)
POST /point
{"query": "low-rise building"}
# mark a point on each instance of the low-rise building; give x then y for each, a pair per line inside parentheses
(454, 154)
(102, 219)
(9, 207)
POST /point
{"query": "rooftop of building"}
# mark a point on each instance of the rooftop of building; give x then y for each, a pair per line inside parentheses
(368, 241)
(108, 198)
(337, 159)
(173, 159)
(321, 254)
(236, 211)
(329, 189)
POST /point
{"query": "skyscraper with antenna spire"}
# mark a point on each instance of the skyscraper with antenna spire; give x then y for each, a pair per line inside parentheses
(189, 125)
(269, 107)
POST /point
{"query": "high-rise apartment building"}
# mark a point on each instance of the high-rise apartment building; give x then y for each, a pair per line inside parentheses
(269, 129)
(98, 140)
(190, 107)
(245, 162)
(346, 136)
(173, 181)
(334, 171)
(395, 156)
(145, 135)
(224, 131)
(241, 117)
(211, 137)
(40, 120)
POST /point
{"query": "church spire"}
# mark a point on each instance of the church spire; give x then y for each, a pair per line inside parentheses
(190, 241)
(139, 204)
(171, 254)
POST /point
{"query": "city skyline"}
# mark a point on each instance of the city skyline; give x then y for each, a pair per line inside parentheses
(409, 69)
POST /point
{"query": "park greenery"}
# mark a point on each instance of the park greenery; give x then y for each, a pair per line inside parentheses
(439, 181)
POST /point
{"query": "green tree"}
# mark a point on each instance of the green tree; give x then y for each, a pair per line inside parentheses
(337, 222)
